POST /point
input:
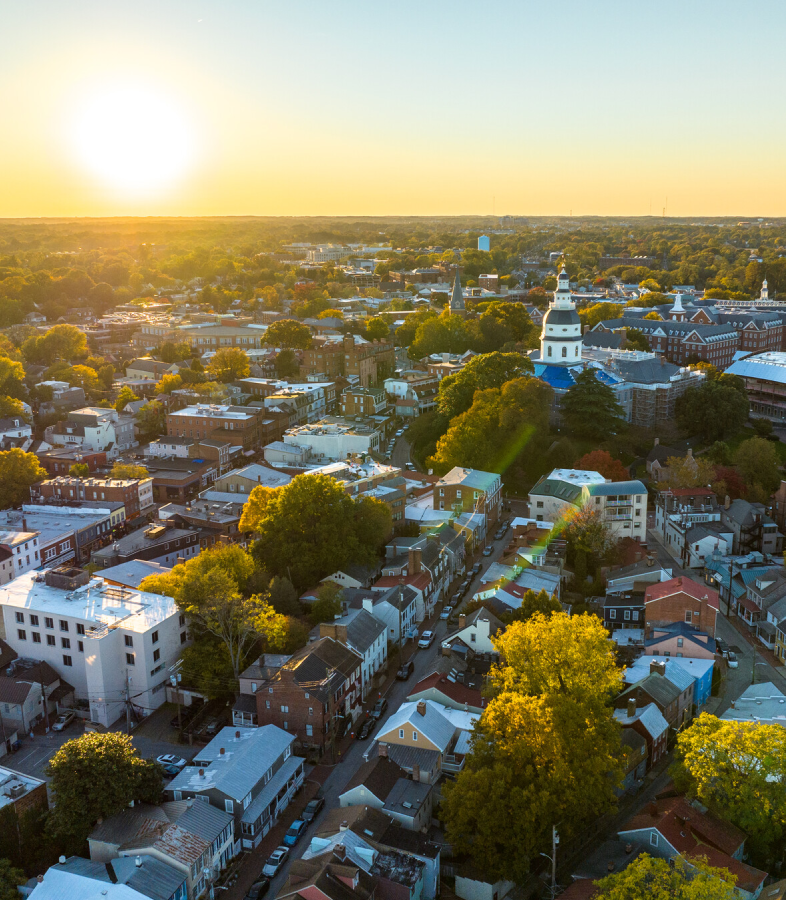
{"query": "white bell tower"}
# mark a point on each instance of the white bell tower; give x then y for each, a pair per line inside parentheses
(560, 339)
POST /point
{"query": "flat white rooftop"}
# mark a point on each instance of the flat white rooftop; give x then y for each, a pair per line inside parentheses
(221, 412)
(577, 476)
(97, 603)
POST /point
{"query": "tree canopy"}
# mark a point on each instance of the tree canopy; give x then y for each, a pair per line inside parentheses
(289, 334)
(712, 410)
(759, 466)
(590, 408)
(229, 364)
(311, 527)
(96, 776)
(647, 878)
(61, 342)
(18, 471)
(604, 463)
(487, 370)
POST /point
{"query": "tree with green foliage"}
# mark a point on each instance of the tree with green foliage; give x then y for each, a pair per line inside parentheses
(11, 878)
(283, 597)
(647, 878)
(79, 470)
(501, 425)
(547, 728)
(96, 776)
(169, 383)
(757, 462)
(590, 408)
(686, 472)
(229, 364)
(212, 589)
(713, 410)
(288, 334)
(501, 323)
(531, 603)
(377, 329)
(18, 471)
(445, 333)
(106, 377)
(287, 365)
(327, 606)
(311, 527)
(206, 666)
(585, 530)
(151, 420)
(636, 340)
(487, 370)
(599, 312)
(61, 342)
(84, 377)
(12, 376)
(737, 770)
(124, 396)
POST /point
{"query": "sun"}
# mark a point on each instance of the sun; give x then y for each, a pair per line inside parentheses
(134, 139)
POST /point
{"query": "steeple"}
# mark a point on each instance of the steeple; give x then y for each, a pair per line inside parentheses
(765, 294)
(560, 338)
(677, 312)
(457, 296)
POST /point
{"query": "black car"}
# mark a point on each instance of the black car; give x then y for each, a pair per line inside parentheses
(313, 808)
(366, 728)
(258, 889)
(405, 671)
(379, 708)
(476, 568)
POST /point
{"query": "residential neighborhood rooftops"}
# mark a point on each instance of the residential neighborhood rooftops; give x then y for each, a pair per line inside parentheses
(471, 478)
(649, 716)
(379, 776)
(758, 703)
(684, 585)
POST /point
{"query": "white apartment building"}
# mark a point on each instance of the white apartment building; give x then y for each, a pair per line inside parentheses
(19, 553)
(94, 428)
(622, 505)
(110, 642)
(335, 440)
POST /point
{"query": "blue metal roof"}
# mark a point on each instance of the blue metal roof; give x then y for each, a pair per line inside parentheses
(765, 366)
(616, 487)
(561, 378)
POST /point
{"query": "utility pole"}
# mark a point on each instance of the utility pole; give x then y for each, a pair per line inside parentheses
(128, 706)
(44, 701)
(174, 679)
(554, 842)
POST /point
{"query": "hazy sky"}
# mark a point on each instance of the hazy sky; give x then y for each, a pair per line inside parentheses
(232, 107)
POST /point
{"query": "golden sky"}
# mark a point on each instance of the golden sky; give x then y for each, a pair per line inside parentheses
(250, 107)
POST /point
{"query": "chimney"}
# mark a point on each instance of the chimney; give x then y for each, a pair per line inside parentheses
(422, 707)
(222, 751)
(61, 860)
(587, 329)
(415, 557)
(237, 735)
(657, 441)
(462, 620)
(650, 560)
(201, 773)
(382, 749)
(657, 667)
(727, 502)
(415, 772)
(340, 852)
(689, 454)
(138, 862)
(631, 707)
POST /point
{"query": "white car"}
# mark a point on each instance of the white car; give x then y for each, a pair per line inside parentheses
(731, 659)
(63, 721)
(274, 862)
(169, 759)
(426, 639)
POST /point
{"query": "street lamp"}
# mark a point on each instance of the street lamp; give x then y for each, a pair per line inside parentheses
(553, 859)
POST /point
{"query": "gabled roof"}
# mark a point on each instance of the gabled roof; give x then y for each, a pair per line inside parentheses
(656, 686)
(378, 776)
(649, 716)
(457, 692)
(682, 585)
(434, 723)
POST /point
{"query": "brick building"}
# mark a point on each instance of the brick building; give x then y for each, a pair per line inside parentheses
(368, 361)
(469, 489)
(315, 695)
(681, 341)
(238, 424)
(363, 401)
(136, 494)
(59, 461)
(681, 600)
(21, 792)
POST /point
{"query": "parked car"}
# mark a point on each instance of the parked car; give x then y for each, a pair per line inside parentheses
(258, 889)
(465, 586)
(63, 721)
(296, 831)
(487, 551)
(426, 639)
(313, 808)
(379, 708)
(212, 726)
(274, 862)
(499, 535)
(456, 598)
(722, 647)
(410, 467)
(476, 568)
(366, 728)
(731, 659)
(405, 670)
(445, 614)
(171, 771)
(169, 759)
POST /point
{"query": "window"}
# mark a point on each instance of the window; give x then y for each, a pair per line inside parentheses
(679, 642)
(612, 613)
(626, 615)
(67, 661)
(286, 725)
(20, 617)
(130, 659)
(36, 637)
(65, 643)
(183, 637)
(63, 625)
(311, 710)
(401, 733)
(285, 709)
(182, 621)
(50, 623)
(155, 637)
(414, 735)
(80, 646)
(473, 638)
(654, 838)
(34, 621)
(635, 615)
(80, 628)
(267, 704)
(156, 655)
(129, 640)
(50, 640)
(21, 634)
(309, 730)
(688, 615)
(229, 806)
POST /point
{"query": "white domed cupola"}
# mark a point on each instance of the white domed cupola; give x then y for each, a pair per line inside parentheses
(560, 339)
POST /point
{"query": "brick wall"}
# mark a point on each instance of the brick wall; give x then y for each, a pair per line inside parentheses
(674, 608)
